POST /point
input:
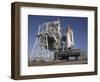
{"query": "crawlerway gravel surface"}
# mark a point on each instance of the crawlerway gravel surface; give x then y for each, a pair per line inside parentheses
(60, 62)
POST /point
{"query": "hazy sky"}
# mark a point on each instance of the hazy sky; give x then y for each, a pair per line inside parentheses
(79, 27)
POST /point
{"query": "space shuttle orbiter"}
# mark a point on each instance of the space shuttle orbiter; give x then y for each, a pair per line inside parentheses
(70, 38)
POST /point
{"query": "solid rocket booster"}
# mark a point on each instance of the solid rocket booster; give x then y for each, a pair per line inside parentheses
(70, 38)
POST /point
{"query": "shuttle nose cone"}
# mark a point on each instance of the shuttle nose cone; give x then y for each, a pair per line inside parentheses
(68, 28)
